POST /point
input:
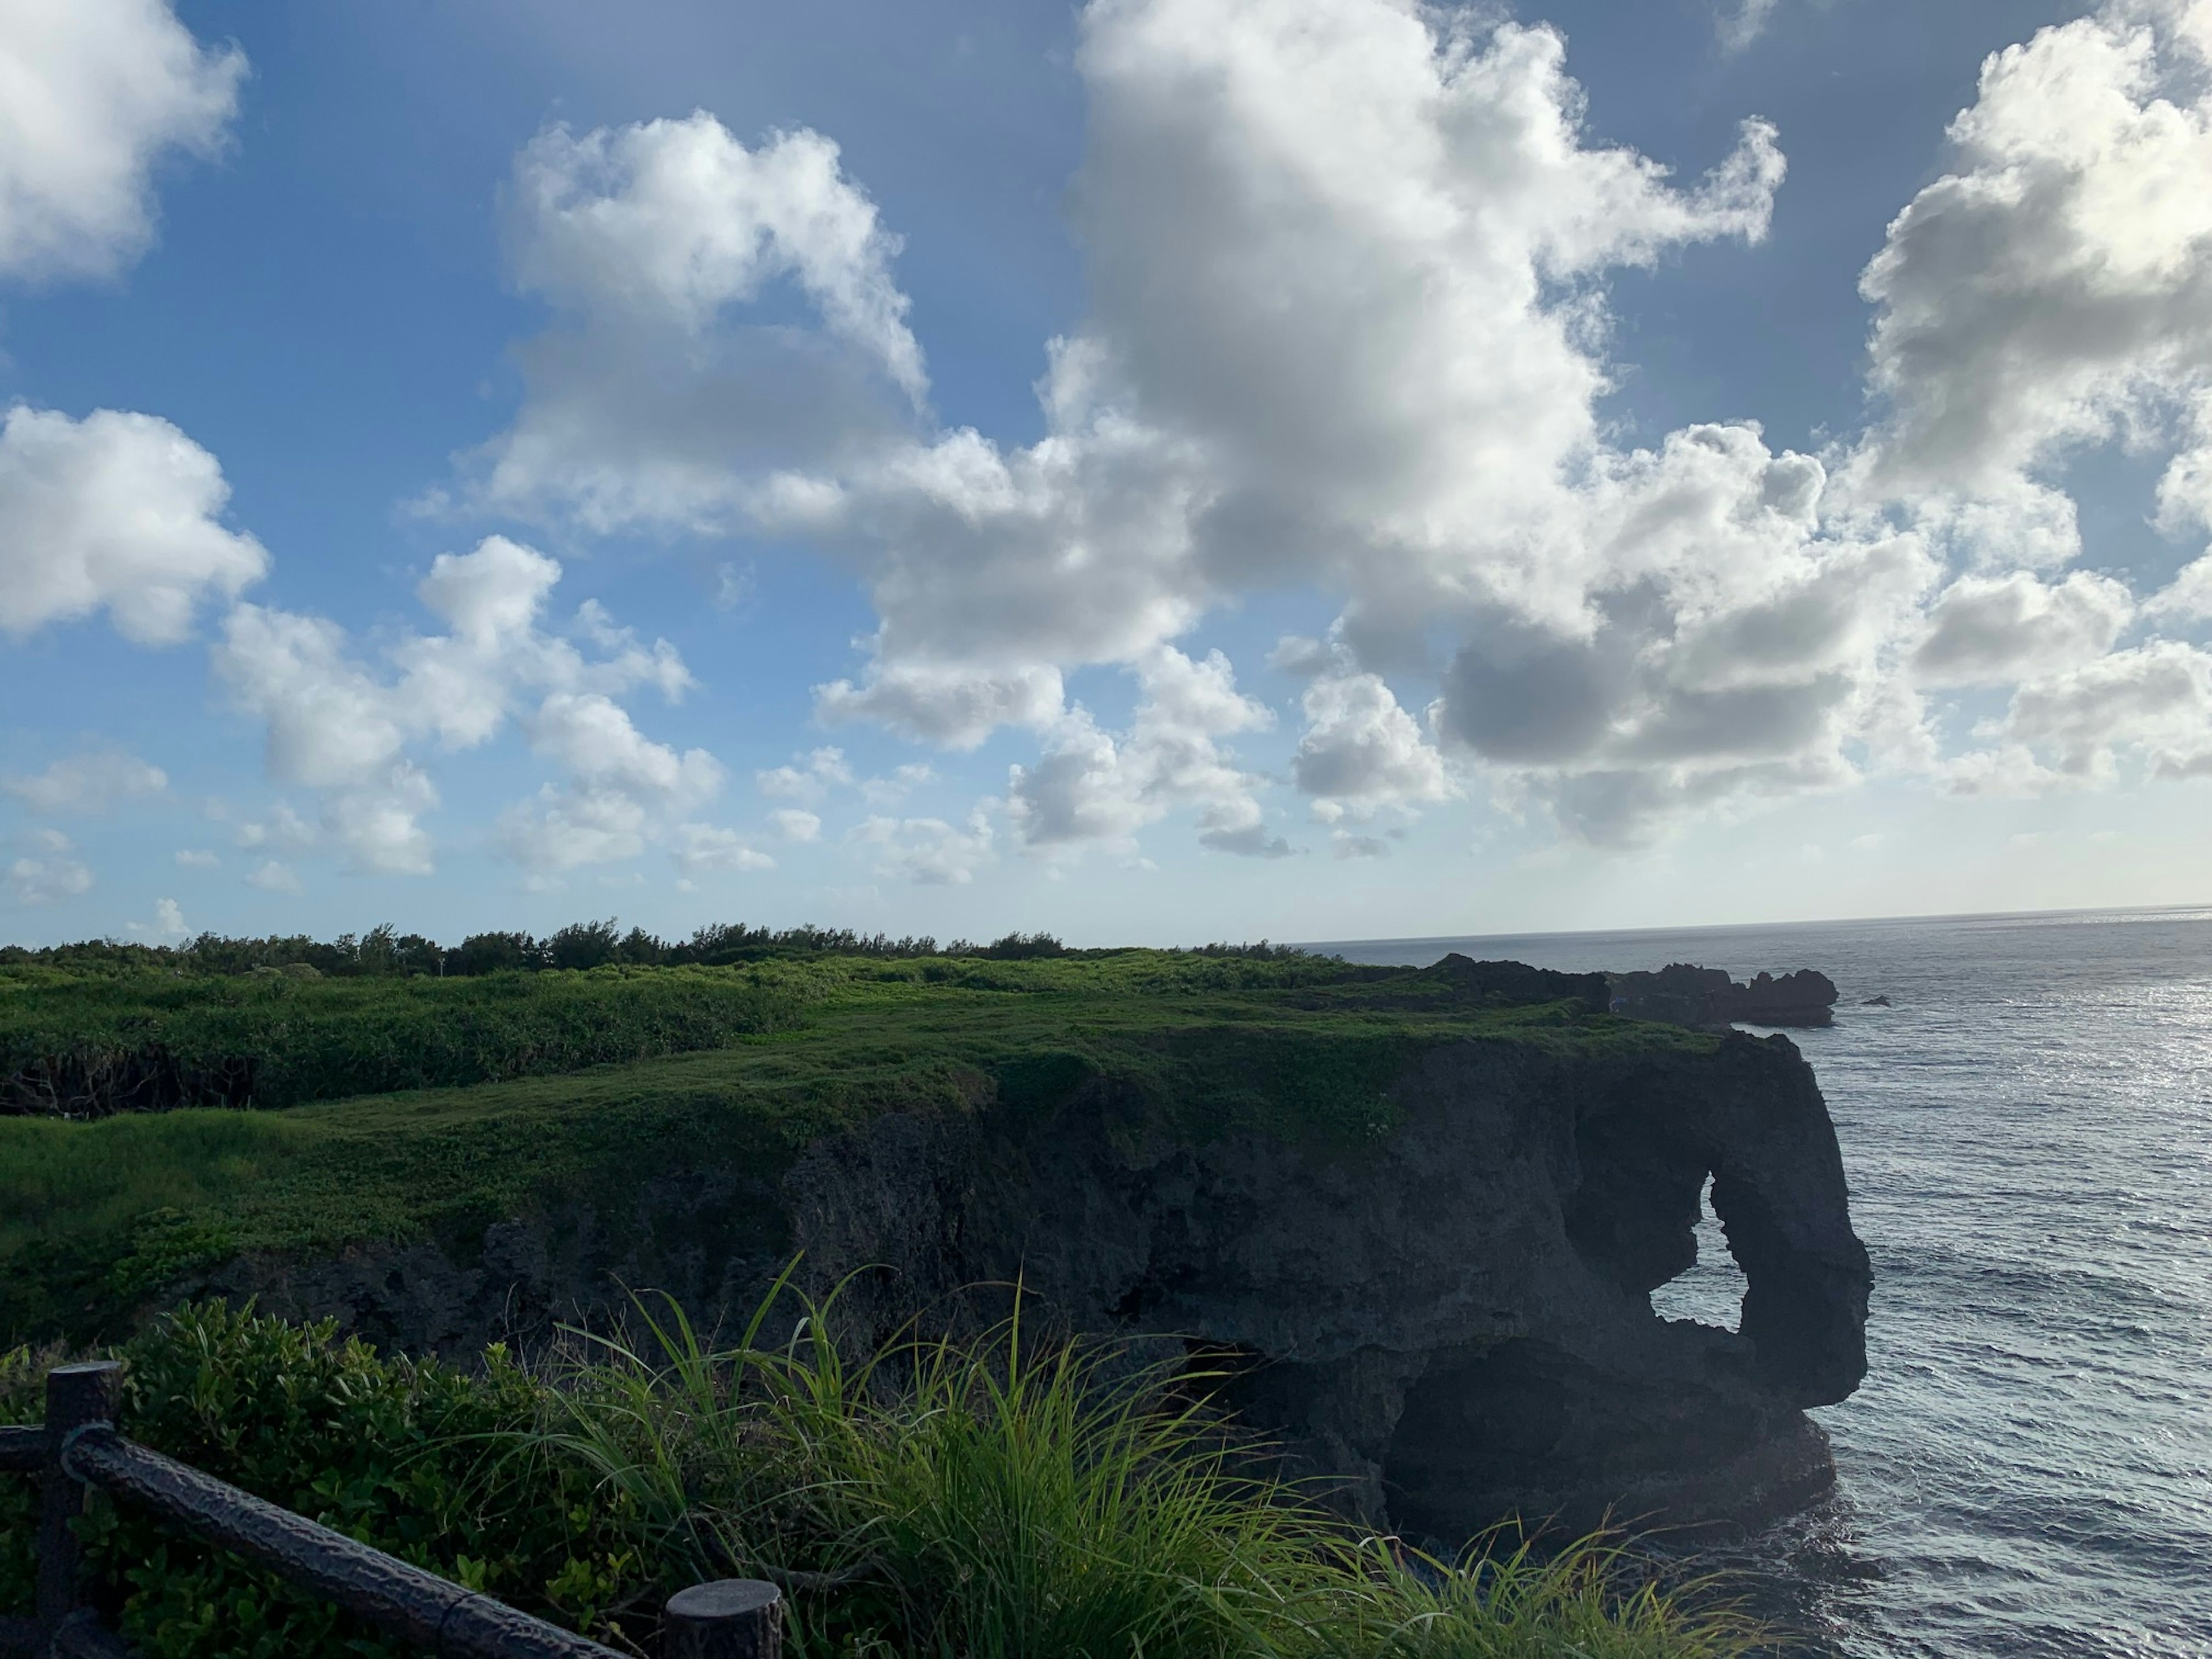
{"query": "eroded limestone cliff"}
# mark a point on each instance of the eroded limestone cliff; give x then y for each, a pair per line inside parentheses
(1451, 1322)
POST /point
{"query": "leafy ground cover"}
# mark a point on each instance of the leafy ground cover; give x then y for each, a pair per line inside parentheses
(95, 1217)
(989, 1498)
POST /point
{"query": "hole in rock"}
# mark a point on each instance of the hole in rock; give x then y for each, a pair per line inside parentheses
(1712, 1292)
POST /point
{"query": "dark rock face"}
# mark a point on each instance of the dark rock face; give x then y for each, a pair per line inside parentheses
(1685, 996)
(1452, 1324)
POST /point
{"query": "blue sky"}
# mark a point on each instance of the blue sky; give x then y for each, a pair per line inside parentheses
(1160, 470)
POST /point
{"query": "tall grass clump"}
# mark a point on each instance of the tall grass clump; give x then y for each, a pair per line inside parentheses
(996, 1497)
(979, 1498)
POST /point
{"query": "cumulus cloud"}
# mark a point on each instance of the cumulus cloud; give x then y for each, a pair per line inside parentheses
(1347, 332)
(816, 775)
(1999, 631)
(1360, 751)
(347, 731)
(117, 513)
(282, 831)
(1091, 787)
(703, 848)
(1422, 215)
(86, 783)
(2188, 597)
(275, 876)
(49, 873)
(647, 240)
(2153, 702)
(2054, 287)
(796, 823)
(169, 921)
(198, 858)
(898, 784)
(929, 851)
(92, 94)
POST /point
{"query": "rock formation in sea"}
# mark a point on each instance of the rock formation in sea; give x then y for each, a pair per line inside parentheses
(1447, 1324)
(1687, 995)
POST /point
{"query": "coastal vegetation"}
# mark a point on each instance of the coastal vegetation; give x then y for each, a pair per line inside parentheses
(466, 1101)
(1009, 1493)
(1000, 1495)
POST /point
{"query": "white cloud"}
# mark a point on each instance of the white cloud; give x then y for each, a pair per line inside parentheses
(822, 770)
(903, 781)
(339, 728)
(50, 873)
(701, 849)
(275, 876)
(115, 512)
(1091, 788)
(282, 831)
(1347, 332)
(1740, 23)
(197, 858)
(625, 789)
(929, 851)
(1361, 751)
(2055, 286)
(2188, 597)
(646, 239)
(593, 736)
(169, 918)
(2153, 702)
(795, 823)
(86, 783)
(1423, 217)
(559, 830)
(92, 94)
(1998, 631)
(947, 703)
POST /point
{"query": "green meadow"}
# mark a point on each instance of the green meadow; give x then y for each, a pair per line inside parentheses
(545, 1085)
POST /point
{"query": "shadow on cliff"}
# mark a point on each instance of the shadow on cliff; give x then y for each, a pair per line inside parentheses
(1447, 1324)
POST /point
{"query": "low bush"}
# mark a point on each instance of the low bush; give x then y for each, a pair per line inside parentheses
(987, 1497)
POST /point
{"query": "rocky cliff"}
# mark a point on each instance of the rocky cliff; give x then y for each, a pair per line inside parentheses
(1449, 1320)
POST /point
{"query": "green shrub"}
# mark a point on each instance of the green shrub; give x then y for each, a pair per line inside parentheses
(987, 1498)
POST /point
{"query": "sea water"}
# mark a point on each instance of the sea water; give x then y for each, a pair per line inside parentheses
(2026, 1470)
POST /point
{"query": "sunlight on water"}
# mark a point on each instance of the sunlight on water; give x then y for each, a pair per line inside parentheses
(2027, 1471)
(1712, 1292)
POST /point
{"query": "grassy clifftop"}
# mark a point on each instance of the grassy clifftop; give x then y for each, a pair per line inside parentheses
(739, 1067)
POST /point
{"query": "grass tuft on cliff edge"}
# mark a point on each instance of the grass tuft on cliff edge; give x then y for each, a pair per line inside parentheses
(736, 1068)
(992, 1498)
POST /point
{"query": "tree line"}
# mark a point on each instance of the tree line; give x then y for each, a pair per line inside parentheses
(386, 950)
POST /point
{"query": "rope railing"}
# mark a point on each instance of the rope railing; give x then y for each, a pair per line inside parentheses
(78, 1450)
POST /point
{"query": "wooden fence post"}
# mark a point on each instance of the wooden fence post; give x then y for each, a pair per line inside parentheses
(75, 1395)
(729, 1619)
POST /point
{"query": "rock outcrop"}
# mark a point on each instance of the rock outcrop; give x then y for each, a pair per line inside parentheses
(1450, 1323)
(1705, 997)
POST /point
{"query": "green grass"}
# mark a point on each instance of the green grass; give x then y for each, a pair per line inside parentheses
(99, 1042)
(993, 1497)
(95, 1217)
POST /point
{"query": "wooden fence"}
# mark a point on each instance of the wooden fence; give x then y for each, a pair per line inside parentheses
(78, 1449)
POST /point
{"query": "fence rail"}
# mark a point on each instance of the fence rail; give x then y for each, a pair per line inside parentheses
(78, 1450)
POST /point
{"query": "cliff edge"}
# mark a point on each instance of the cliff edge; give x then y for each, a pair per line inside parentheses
(1431, 1289)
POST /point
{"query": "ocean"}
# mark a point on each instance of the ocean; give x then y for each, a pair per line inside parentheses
(2027, 1471)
